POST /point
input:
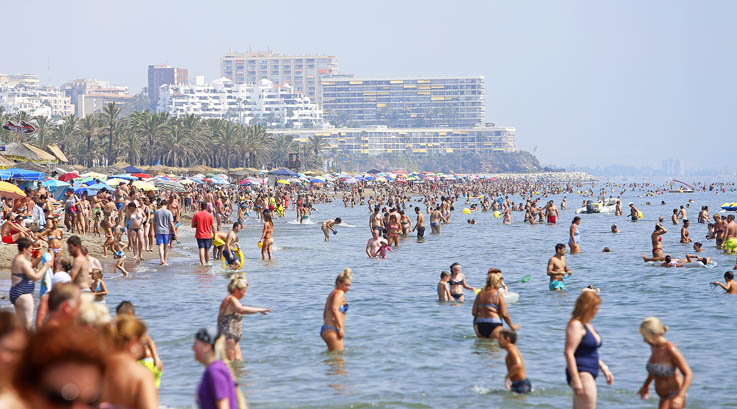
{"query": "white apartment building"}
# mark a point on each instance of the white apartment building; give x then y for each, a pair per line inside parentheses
(263, 102)
(36, 101)
(90, 96)
(302, 72)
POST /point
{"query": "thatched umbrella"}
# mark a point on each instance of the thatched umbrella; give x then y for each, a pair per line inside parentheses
(5, 162)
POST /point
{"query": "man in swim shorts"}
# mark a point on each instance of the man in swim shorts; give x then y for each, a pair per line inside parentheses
(551, 212)
(730, 242)
(373, 246)
(557, 268)
(420, 225)
(231, 243)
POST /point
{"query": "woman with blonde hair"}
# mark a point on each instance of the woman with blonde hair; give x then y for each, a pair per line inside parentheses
(231, 313)
(489, 308)
(333, 327)
(662, 367)
(128, 384)
(581, 352)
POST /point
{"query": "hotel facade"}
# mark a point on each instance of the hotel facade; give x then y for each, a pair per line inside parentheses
(404, 102)
(482, 138)
(302, 72)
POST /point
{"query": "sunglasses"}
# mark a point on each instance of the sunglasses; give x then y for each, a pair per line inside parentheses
(62, 399)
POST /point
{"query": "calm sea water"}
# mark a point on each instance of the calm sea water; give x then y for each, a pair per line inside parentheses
(406, 350)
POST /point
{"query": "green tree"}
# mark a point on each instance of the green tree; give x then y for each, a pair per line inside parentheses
(44, 130)
(90, 129)
(110, 113)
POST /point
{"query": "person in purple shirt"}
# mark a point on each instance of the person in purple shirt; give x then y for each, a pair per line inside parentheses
(217, 389)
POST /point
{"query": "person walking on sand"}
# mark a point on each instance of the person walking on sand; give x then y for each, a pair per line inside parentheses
(164, 230)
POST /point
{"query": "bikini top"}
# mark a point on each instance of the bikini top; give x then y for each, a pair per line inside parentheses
(493, 304)
(451, 282)
(343, 308)
(656, 369)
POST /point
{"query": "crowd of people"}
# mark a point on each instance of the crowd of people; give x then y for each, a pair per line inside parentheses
(91, 358)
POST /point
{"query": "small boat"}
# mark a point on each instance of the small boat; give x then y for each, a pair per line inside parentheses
(601, 206)
(730, 207)
(683, 188)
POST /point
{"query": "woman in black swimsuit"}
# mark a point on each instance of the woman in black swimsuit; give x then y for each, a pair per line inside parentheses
(489, 308)
(457, 282)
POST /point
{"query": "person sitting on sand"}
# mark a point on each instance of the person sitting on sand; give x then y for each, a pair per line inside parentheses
(516, 379)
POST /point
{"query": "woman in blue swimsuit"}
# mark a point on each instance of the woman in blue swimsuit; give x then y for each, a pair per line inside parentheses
(581, 352)
(333, 327)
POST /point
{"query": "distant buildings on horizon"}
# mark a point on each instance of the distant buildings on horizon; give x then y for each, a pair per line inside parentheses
(362, 115)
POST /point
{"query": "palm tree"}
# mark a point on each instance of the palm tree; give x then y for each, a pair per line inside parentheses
(66, 134)
(43, 131)
(283, 144)
(90, 129)
(150, 126)
(316, 144)
(110, 113)
(256, 144)
(130, 142)
(176, 144)
(227, 140)
(213, 128)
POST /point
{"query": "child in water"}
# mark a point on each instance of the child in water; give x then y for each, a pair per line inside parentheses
(118, 253)
(444, 287)
(516, 379)
(729, 285)
(384, 248)
(98, 287)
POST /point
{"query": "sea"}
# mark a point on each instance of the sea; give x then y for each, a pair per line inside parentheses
(404, 349)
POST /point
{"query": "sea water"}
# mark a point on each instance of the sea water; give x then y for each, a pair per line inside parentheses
(406, 350)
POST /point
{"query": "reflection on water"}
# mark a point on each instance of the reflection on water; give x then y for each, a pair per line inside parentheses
(403, 348)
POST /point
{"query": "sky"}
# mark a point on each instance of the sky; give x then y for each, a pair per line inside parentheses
(589, 83)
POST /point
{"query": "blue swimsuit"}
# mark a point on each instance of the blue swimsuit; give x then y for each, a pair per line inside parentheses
(344, 309)
(587, 355)
(25, 286)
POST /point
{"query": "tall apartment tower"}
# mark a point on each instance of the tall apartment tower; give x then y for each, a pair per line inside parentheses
(302, 72)
(159, 75)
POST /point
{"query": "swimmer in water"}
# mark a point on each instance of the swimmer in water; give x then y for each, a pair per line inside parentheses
(573, 235)
(684, 232)
(729, 285)
(697, 247)
(457, 282)
(557, 268)
(443, 287)
(663, 367)
(656, 240)
(333, 327)
(673, 262)
(267, 235)
(329, 225)
(489, 308)
(615, 229)
(516, 379)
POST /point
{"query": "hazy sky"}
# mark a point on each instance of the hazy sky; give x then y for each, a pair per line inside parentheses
(586, 82)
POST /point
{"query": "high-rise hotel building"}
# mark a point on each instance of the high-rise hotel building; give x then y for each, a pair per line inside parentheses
(302, 72)
(404, 102)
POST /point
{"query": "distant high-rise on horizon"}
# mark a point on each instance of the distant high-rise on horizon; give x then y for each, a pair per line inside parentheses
(159, 75)
(302, 72)
(428, 101)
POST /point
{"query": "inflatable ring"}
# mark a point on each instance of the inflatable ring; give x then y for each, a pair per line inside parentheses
(217, 242)
(238, 254)
(639, 214)
(466, 210)
(497, 214)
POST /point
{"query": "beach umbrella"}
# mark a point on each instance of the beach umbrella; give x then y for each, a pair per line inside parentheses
(125, 176)
(282, 182)
(198, 181)
(81, 181)
(94, 175)
(53, 184)
(317, 180)
(10, 191)
(68, 176)
(350, 181)
(169, 185)
(219, 181)
(186, 181)
(144, 185)
(80, 191)
(99, 186)
(141, 175)
(282, 172)
(131, 169)
(115, 182)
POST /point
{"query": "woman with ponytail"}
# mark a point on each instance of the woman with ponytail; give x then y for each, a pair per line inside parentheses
(230, 315)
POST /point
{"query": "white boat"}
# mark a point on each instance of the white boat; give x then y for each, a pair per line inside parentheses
(602, 206)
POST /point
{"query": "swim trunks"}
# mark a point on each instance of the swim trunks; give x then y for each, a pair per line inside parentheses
(420, 232)
(730, 246)
(556, 285)
(551, 220)
(204, 243)
(521, 386)
(229, 257)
